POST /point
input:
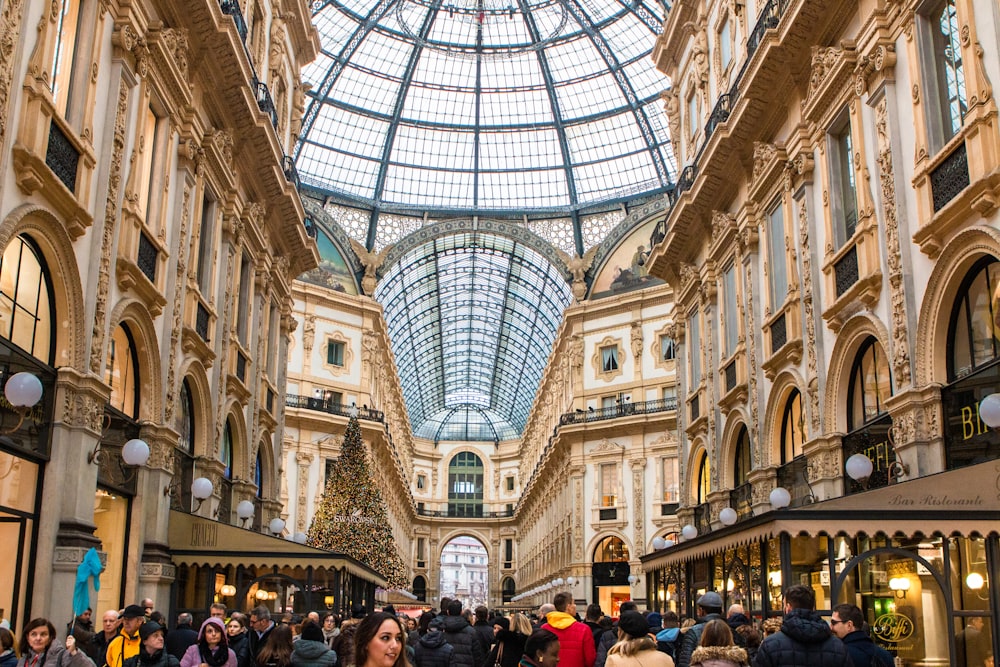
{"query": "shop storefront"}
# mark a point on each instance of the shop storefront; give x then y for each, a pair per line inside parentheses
(919, 558)
(242, 569)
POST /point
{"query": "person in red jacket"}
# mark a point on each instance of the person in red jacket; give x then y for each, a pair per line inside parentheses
(576, 641)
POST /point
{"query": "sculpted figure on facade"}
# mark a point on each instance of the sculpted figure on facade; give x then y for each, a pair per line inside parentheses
(672, 109)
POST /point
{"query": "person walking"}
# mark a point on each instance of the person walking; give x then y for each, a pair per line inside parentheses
(716, 648)
(239, 638)
(709, 609)
(576, 641)
(212, 648)
(152, 652)
(182, 637)
(541, 650)
(40, 648)
(636, 647)
(468, 648)
(509, 646)
(847, 622)
(127, 643)
(805, 639)
(433, 649)
(277, 648)
(311, 649)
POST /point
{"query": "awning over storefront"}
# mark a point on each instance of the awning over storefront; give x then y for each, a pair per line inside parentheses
(194, 540)
(956, 502)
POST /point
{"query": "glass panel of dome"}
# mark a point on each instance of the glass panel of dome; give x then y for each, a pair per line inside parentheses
(422, 146)
(386, 55)
(618, 33)
(436, 68)
(522, 106)
(520, 150)
(574, 59)
(335, 28)
(314, 72)
(405, 185)
(513, 189)
(327, 169)
(362, 89)
(519, 70)
(634, 172)
(589, 97)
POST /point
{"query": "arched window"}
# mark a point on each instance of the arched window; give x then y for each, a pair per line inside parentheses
(610, 550)
(226, 451)
(704, 480)
(122, 372)
(742, 464)
(184, 419)
(508, 589)
(870, 385)
(972, 333)
(792, 428)
(420, 588)
(465, 485)
(27, 315)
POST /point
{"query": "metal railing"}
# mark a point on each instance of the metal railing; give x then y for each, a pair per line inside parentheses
(232, 7)
(442, 514)
(330, 407)
(950, 177)
(62, 157)
(147, 256)
(769, 19)
(620, 410)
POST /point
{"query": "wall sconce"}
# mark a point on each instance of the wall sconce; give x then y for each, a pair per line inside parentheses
(276, 526)
(261, 594)
(728, 516)
(989, 410)
(780, 498)
(227, 590)
(689, 532)
(328, 601)
(662, 543)
(632, 580)
(244, 512)
(201, 490)
(571, 581)
(135, 454)
(899, 586)
(859, 468)
(23, 391)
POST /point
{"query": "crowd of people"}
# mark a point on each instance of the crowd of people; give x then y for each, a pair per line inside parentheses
(554, 636)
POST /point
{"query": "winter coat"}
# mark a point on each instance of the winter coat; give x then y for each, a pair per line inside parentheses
(666, 641)
(309, 653)
(433, 650)
(805, 640)
(240, 645)
(690, 640)
(576, 641)
(192, 657)
(597, 630)
(57, 656)
(257, 641)
(485, 630)
(180, 639)
(8, 658)
(608, 640)
(122, 648)
(719, 656)
(864, 652)
(159, 659)
(512, 645)
(647, 658)
(465, 640)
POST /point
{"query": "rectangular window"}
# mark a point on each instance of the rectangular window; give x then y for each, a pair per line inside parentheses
(725, 46)
(777, 259)
(692, 106)
(333, 397)
(273, 324)
(694, 351)
(420, 548)
(609, 485)
(66, 43)
(943, 68)
(609, 358)
(845, 199)
(508, 551)
(731, 314)
(666, 348)
(671, 488)
(206, 245)
(243, 308)
(608, 401)
(668, 393)
(335, 353)
(510, 483)
(421, 482)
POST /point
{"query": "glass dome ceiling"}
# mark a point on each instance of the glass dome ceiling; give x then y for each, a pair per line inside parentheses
(513, 106)
(472, 318)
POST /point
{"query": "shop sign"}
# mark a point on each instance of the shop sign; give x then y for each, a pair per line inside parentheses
(892, 628)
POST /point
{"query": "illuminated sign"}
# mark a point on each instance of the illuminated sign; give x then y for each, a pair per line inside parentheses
(892, 628)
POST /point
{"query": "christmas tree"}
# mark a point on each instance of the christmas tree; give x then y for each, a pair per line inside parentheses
(352, 518)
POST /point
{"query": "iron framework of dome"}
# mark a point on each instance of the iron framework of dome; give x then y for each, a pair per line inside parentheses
(472, 318)
(498, 106)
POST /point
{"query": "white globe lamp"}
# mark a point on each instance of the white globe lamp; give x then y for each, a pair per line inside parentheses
(135, 452)
(859, 467)
(780, 497)
(689, 532)
(728, 516)
(245, 510)
(659, 543)
(23, 390)
(201, 488)
(300, 538)
(276, 526)
(989, 409)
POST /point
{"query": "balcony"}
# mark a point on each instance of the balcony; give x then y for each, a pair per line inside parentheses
(330, 407)
(741, 500)
(793, 476)
(440, 514)
(620, 410)
(702, 518)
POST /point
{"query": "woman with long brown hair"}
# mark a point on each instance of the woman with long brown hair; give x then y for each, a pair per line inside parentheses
(380, 641)
(277, 648)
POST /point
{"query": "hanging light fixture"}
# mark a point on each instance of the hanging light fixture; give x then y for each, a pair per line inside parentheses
(728, 516)
(780, 498)
(689, 532)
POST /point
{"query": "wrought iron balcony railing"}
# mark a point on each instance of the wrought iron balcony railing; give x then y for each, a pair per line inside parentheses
(621, 410)
(330, 407)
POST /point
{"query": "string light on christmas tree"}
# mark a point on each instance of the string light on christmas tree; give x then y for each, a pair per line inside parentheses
(352, 517)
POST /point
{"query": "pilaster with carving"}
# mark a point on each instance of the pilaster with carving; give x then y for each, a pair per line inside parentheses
(10, 27)
(304, 461)
(638, 503)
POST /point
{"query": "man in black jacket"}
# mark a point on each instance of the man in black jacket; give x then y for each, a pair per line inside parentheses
(433, 649)
(592, 619)
(468, 649)
(483, 628)
(260, 627)
(609, 637)
(181, 637)
(847, 622)
(805, 639)
(709, 609)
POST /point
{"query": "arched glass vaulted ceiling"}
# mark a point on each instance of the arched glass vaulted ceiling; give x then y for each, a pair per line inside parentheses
(472, 318)
(514, 106)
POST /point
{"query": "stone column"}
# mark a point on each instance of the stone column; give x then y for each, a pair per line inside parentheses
(825, 466)
(66, 526)
(152, 519)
